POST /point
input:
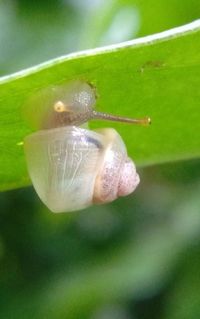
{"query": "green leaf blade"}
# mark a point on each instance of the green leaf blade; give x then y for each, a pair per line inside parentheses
(156, 76)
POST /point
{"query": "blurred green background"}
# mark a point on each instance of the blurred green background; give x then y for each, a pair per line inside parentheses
(136, 258)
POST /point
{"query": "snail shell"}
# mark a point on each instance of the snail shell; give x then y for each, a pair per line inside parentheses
(71, 167)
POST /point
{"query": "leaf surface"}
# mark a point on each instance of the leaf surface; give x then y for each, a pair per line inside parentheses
(156, 76)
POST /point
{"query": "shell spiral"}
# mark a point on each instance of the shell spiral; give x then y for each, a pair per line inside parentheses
(117, 174)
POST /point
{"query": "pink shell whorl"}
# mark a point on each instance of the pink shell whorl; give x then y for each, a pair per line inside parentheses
(129, 179)
(117, 177)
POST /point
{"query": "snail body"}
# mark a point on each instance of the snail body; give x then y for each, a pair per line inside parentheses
(71, 167)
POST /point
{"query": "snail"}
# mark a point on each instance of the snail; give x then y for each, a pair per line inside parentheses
(70, 166)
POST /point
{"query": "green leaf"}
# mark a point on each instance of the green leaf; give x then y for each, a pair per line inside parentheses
(156, 76)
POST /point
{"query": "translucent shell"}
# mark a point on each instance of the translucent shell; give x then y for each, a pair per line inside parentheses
(72, 168)
(63, 164)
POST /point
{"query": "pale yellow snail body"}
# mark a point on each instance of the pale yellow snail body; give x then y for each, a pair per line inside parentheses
(71, 167)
